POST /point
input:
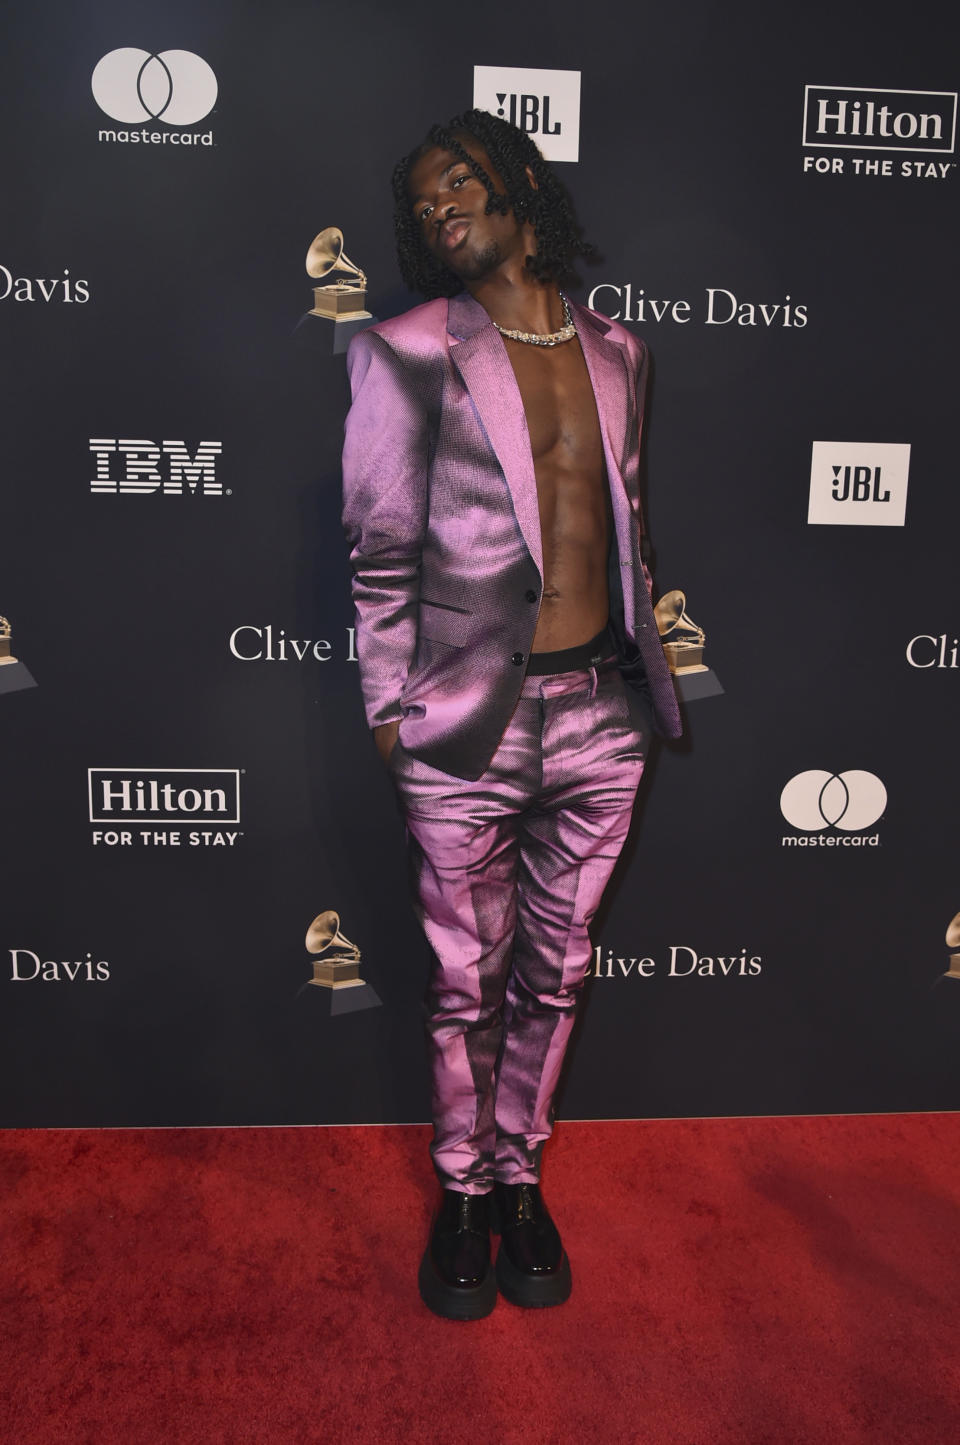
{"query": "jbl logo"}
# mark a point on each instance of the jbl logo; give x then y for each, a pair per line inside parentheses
(543, 103)
(529, 112)
(858, 484)
(132, 466)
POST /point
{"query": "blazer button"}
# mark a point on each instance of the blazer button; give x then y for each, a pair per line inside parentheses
(517, 659)
(530, 595)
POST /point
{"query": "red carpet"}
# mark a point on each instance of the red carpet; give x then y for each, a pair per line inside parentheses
(741, 1281)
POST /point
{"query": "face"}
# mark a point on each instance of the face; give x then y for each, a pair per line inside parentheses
(449, 205)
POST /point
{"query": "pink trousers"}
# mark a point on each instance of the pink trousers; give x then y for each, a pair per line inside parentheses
(507, 875)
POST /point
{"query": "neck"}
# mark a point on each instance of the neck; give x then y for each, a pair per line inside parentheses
(514, 298)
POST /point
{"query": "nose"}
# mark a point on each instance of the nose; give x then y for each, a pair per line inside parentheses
(443, 210)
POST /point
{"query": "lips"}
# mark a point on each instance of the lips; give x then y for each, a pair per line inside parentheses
(452, 233)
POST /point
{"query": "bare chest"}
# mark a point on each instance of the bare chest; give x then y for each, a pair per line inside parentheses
(560, 407)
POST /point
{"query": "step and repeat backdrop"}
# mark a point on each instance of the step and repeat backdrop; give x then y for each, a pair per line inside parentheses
(203, 905)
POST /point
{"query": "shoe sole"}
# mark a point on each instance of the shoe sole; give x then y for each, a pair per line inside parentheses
(530, 1291)
(451, 1303)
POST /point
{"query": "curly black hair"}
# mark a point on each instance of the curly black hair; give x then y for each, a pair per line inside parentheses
(548, 208)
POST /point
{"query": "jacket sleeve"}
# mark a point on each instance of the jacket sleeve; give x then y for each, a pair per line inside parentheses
(385, 459)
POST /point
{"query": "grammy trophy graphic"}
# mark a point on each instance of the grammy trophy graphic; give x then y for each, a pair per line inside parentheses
(336, 962)
(953, 941)
(336, 968)
(14, 676)
(6, 632)
(339, 300)
(682, 639)
(339, 305)
(683, 643)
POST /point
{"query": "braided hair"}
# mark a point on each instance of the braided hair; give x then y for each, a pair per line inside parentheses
(548, 208)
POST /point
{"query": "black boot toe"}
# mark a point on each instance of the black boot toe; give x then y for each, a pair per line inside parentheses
(532, 1267)
(456, 1280)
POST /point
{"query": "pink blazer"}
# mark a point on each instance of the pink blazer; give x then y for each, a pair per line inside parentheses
(440, 510)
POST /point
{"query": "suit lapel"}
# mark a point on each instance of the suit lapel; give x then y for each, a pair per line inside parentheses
(610, 377)
(480, 356)
(608, 373)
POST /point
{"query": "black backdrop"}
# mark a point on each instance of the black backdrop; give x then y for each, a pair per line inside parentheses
(691, 178)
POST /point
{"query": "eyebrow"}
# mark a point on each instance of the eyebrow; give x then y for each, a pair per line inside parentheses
(445, 172)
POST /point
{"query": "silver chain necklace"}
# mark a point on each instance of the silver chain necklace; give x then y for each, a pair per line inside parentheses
(554, 338)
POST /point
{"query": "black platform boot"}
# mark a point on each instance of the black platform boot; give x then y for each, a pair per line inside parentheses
(456, 1280)
(532, 1266)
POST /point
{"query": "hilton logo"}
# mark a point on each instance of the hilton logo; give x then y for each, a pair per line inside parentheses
(859, 484)
(899, 132)
(162, 795)
(139, 472)
(837, 117)
(543, 103)
(161, 798)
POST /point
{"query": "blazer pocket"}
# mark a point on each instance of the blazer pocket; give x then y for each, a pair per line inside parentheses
(443, 622)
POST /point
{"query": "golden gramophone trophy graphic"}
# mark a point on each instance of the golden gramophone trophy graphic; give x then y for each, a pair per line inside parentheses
(338, 299)
(14, 676)
(953, 941)
(342, 301)
(683, 643)
(336, 965)
(6, 632)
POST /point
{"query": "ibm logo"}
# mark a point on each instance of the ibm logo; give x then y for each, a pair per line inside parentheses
(859, 484)
(837, 117)
(139, 472)
(543, 103)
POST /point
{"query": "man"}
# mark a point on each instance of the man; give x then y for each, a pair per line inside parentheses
(491, 504)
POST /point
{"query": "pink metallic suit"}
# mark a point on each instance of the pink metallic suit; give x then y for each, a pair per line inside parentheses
(508, 872)
(517, 789)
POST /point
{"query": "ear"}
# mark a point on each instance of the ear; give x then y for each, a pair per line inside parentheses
(532, 179)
